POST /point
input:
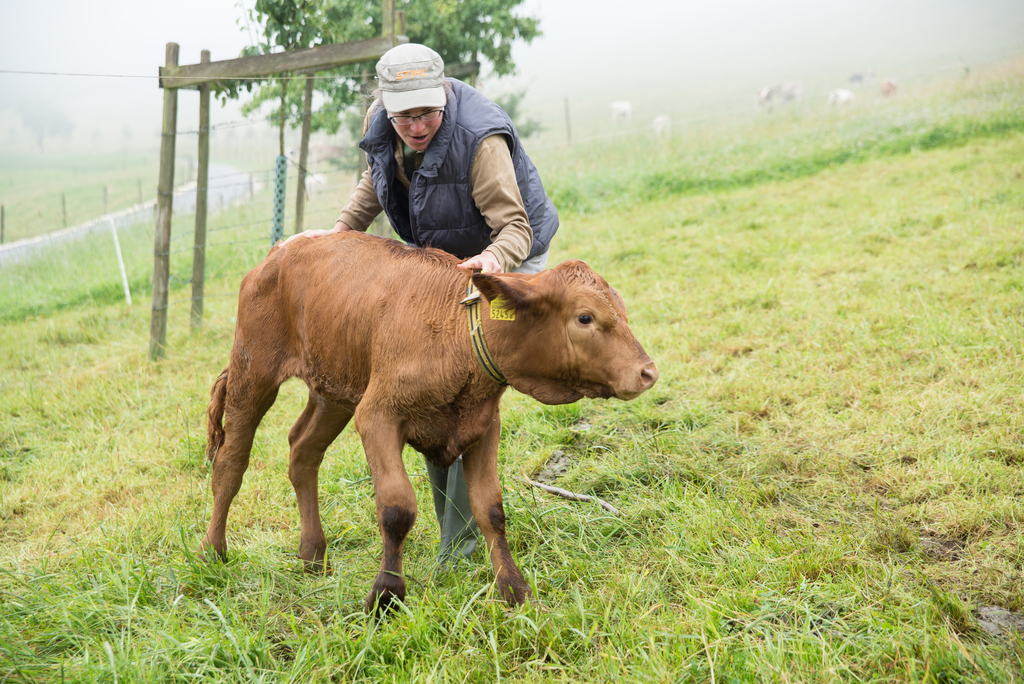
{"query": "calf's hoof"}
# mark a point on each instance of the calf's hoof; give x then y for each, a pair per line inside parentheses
(317, 567)
(387, 589)
(514, 589)
(210, 553)
(315, 562)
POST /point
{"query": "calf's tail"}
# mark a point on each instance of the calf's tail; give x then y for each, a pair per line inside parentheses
(215, 415)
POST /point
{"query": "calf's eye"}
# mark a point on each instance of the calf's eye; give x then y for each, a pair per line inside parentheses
(586, 319)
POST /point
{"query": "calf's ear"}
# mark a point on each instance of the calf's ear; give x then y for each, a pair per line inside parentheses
(512, 289)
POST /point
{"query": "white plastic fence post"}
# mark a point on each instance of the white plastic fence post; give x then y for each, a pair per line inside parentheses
(120, 263)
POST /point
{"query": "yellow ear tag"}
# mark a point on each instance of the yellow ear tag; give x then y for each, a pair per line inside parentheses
(502, 310)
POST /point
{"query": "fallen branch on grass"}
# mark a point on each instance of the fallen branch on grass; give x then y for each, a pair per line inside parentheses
(572, 496)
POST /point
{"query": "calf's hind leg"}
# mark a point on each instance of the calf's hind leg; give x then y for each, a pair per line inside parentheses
(245, 408)
(318, 426)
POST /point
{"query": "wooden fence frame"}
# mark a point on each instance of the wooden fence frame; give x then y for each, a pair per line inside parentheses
(199, 77)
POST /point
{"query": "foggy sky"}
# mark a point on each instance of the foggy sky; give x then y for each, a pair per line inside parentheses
(667, 56)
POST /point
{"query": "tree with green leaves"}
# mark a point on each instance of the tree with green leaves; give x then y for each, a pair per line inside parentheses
(459, 30)
(464, 30)
(291, 25)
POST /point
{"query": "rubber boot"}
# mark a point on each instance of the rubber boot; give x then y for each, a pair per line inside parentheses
(455, 517)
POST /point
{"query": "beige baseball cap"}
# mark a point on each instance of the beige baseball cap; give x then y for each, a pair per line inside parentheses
(411, 76)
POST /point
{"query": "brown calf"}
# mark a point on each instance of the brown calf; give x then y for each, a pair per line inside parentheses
(378, 332)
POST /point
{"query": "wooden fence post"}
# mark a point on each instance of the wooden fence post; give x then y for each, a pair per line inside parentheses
(388, 16)
(104, 199)
(164, 206)
(202, 194)
(64, 210)
(307, 116)
(471, 79)
(284, 111)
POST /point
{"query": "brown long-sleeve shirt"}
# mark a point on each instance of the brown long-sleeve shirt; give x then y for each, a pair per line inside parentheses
(494, 188)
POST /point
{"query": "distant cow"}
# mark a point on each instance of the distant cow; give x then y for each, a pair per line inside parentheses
(787, 92)
(840, 96)
(381, 332)
(622, 111)
(859, 78)
(888, 87)
(662, 125)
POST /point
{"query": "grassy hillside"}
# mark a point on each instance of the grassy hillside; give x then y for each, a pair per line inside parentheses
(795, 141)
(825, 485)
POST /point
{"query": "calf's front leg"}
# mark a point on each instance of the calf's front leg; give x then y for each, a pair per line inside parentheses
(396, 503)
(480, 466)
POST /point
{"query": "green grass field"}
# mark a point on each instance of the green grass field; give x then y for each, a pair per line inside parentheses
(825, 485)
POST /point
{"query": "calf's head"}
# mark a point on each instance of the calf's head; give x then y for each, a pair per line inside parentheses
(568, 338)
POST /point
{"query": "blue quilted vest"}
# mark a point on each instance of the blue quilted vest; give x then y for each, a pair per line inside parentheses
(438, 210)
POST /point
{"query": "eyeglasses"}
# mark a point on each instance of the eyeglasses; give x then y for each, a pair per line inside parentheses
(403, 120)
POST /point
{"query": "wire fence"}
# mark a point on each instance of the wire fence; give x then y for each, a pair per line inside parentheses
(243, 227)
(158, 77)
(229, 275)
(224, 187)
(270, 118)
(73, 264)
